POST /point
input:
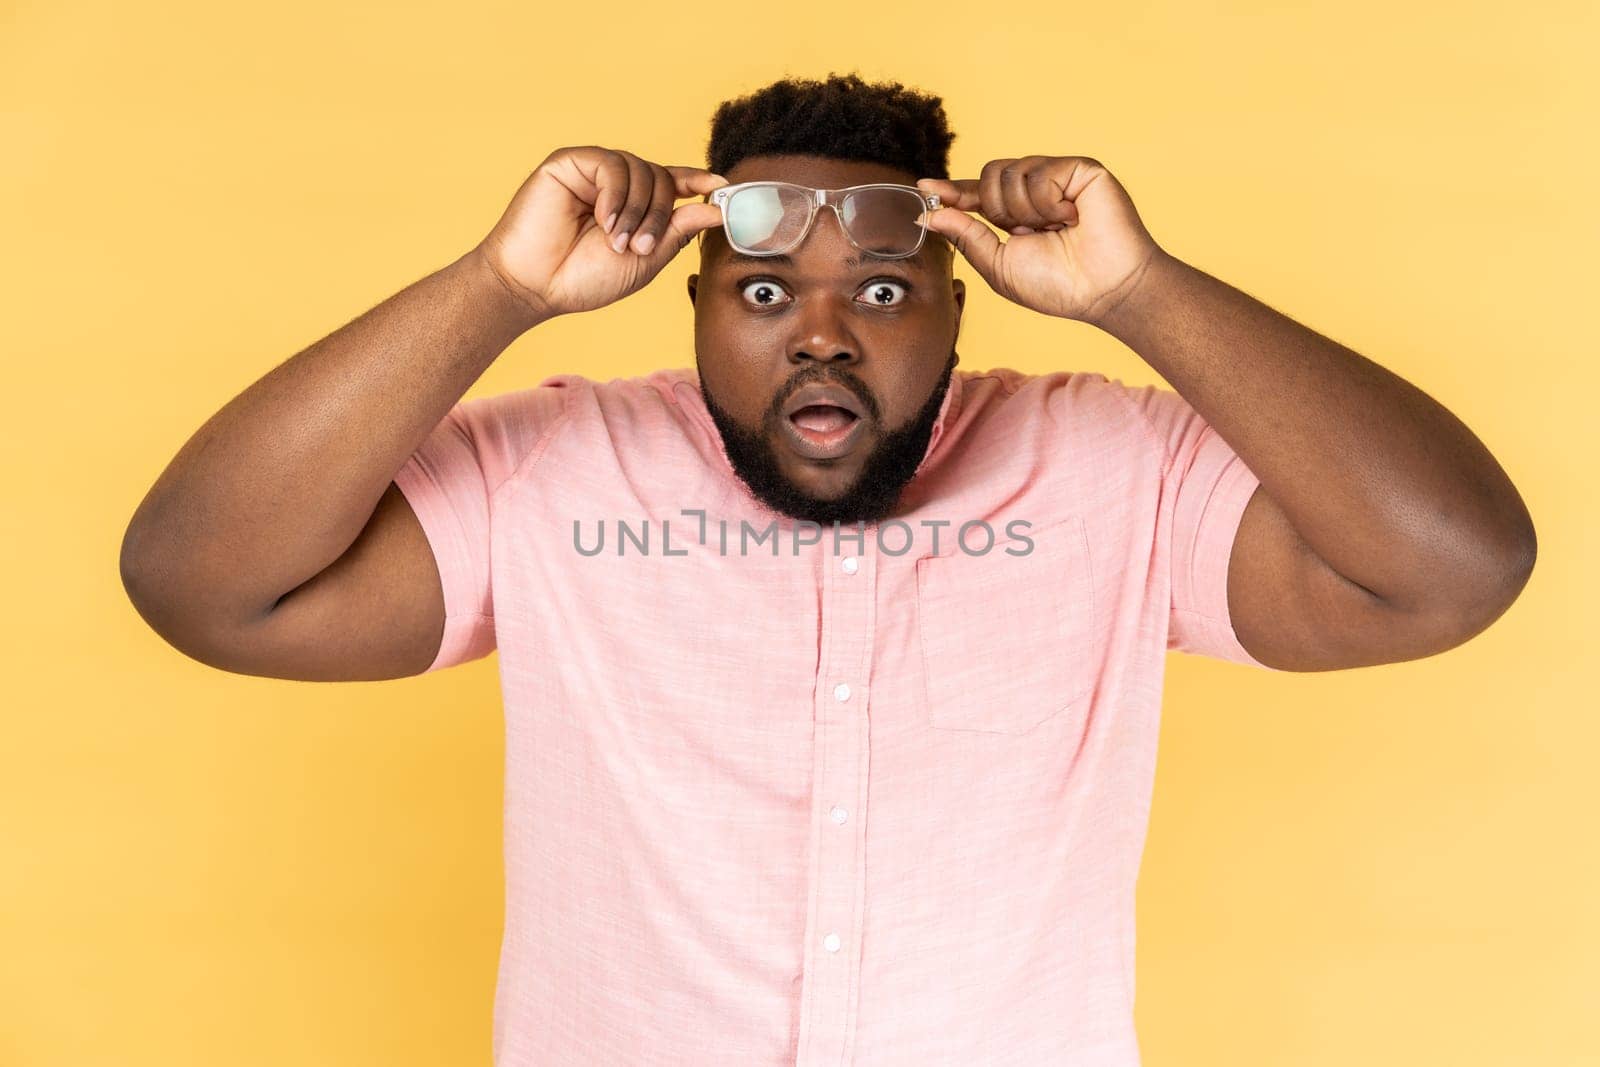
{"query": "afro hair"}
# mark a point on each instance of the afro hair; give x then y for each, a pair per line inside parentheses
(841, 118)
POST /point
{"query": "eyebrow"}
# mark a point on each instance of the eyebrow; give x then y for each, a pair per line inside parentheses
(786, 260)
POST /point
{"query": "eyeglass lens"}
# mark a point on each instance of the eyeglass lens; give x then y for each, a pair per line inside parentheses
(770, 218)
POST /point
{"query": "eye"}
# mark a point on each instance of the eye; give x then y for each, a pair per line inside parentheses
(763, 292)
(880, 292)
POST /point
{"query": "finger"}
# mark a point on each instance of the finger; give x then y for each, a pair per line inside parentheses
(654, 223)
(961, 193)
(991, 194)
(975, 241)
(695, 181)
(1048, 196)
(686, 221)
(611, 185)
(1014, 181)
(641, 185)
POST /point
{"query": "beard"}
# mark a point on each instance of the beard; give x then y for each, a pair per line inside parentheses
(884, 473)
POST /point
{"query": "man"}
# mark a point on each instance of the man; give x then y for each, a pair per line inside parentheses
(831, 673)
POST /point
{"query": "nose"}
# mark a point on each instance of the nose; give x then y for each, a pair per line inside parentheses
(821, 335)
(821, 321)
(823, 352)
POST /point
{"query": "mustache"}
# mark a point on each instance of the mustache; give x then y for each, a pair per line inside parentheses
(818, 376)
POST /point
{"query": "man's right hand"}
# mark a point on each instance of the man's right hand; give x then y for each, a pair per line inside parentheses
(553, 249)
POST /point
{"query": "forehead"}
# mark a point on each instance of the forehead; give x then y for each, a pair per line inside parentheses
(816, 172)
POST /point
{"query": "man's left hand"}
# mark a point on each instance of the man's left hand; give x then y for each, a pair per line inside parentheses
(1078, 247)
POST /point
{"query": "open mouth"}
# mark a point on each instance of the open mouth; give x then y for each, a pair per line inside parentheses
(823, 431)
(821, 421)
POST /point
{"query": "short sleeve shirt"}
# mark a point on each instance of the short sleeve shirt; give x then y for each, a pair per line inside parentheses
(781, 794)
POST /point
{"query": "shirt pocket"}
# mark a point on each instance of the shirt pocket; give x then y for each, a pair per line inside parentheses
(1009, 641)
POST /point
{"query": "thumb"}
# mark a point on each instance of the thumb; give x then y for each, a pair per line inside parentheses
(686, 221)
(974, 240)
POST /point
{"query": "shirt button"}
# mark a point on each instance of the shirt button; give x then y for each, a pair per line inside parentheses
(841, 692)
(839, 815)
(849, 564)
(831, 942)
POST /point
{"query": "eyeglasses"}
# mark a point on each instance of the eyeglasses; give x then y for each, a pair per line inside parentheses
(770, 218)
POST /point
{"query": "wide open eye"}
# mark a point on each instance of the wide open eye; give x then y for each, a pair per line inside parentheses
(763, 293)
(880, 293)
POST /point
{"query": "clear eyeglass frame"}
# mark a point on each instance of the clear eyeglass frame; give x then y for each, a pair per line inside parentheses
(820, 198)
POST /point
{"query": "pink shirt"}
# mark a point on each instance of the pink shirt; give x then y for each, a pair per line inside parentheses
(879, 806)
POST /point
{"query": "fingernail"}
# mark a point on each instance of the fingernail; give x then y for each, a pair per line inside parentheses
(620, 241)
(645, 243)
(612, 221)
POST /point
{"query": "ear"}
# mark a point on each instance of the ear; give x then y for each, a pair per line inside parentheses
(693, 281)
(958, 289)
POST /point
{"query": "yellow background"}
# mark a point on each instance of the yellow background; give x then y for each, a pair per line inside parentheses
(1389, 866)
